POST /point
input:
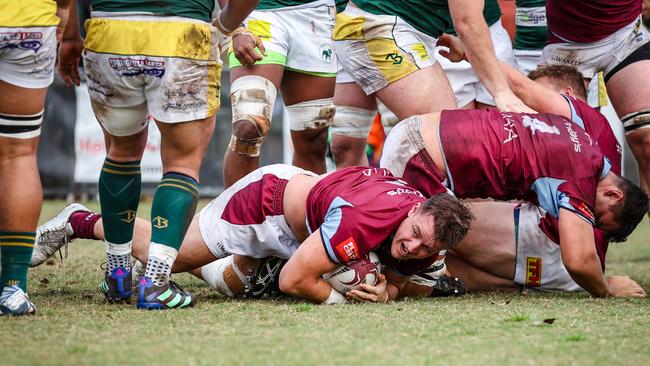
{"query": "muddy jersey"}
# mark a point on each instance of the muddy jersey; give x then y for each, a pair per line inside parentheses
(588, 20)
(358, 209)
(491, 14)
(427, 16)
(599, 129)
(195, 9)
(541, 158)
(530, 24)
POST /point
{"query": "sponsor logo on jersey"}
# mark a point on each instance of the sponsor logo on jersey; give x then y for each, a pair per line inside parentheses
(348, 250)
(573, 136)
(533, 271)
(536, 125)
(509, 126)
(128, 66)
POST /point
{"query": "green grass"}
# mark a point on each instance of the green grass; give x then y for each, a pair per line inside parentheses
(74, 325)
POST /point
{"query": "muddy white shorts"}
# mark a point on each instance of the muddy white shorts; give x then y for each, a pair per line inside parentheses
(538, 261)
(297, 37)
(464, 82)
(603, 55)
(27, 56)
(248, 218)
(137, 65)
(377, 50)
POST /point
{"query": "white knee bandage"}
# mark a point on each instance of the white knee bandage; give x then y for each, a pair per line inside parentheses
(311, 114)
(636, 120)
(224, 276)
(21, 126)
(353, 121)
(252, 99)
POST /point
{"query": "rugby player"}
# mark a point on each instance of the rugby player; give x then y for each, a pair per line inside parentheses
(158, 59)
(296, 36)
(319, 222)
(510, 248)
(608, 36)
(387, 50)
(29, 31)
(541, 158)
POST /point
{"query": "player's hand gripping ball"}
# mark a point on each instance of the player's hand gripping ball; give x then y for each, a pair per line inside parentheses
(349, 277)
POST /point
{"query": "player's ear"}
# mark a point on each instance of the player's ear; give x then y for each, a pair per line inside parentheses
(414, 209)
(614, 193)
(567, 90)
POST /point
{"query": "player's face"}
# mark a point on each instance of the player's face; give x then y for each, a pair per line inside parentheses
(415, 237)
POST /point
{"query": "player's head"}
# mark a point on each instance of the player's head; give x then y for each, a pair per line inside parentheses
(436, 224)
(620, 206)
(561, 78)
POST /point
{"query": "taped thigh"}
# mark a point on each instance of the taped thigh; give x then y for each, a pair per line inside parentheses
(21, 126)
(312, 114)
(636, 120)
(252, 99)
(352, 121)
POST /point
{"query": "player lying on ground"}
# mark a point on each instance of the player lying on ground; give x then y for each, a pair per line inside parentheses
(542, 158)
(319, 222)
(508, 248)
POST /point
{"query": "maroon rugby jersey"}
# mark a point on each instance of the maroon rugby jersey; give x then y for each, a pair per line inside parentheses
(541, 158)
(358, 209)
(549, 226)
(599, 129)
(588, 20)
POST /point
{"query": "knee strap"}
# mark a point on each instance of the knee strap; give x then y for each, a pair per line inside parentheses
(352, 121)
(252, 99)
(21, 126)
(312, 114)
(636, 120)
(224, 276)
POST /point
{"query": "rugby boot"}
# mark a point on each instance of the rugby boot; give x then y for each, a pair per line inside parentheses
(14, 302)
(54, 234)
(168, 296)
(116, 285)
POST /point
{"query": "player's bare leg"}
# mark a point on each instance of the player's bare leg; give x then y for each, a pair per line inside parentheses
(424, 91)
(249, 127)
(358, 109)
(308, 100)
(20, 188)
(630, 96)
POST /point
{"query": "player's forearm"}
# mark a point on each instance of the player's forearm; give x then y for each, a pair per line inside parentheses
(71, 32)
(475, 35)
(588, 274)
(234, 13)
(518, 83)
(313, 289)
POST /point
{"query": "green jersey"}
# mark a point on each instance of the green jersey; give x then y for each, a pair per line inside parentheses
(276, 4)
(530, 24)
(195, 9)
(423, 15)
(491, 14)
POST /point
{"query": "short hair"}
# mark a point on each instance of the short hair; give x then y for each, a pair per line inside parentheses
(561, 76)
(452, 218)
(630, 212)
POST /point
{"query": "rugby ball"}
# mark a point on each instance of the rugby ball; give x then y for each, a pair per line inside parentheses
(352, 275)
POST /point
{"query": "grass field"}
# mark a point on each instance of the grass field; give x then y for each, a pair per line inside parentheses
(74, 325)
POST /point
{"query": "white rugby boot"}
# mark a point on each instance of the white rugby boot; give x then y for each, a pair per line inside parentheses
(14, 301)
(54, 234)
